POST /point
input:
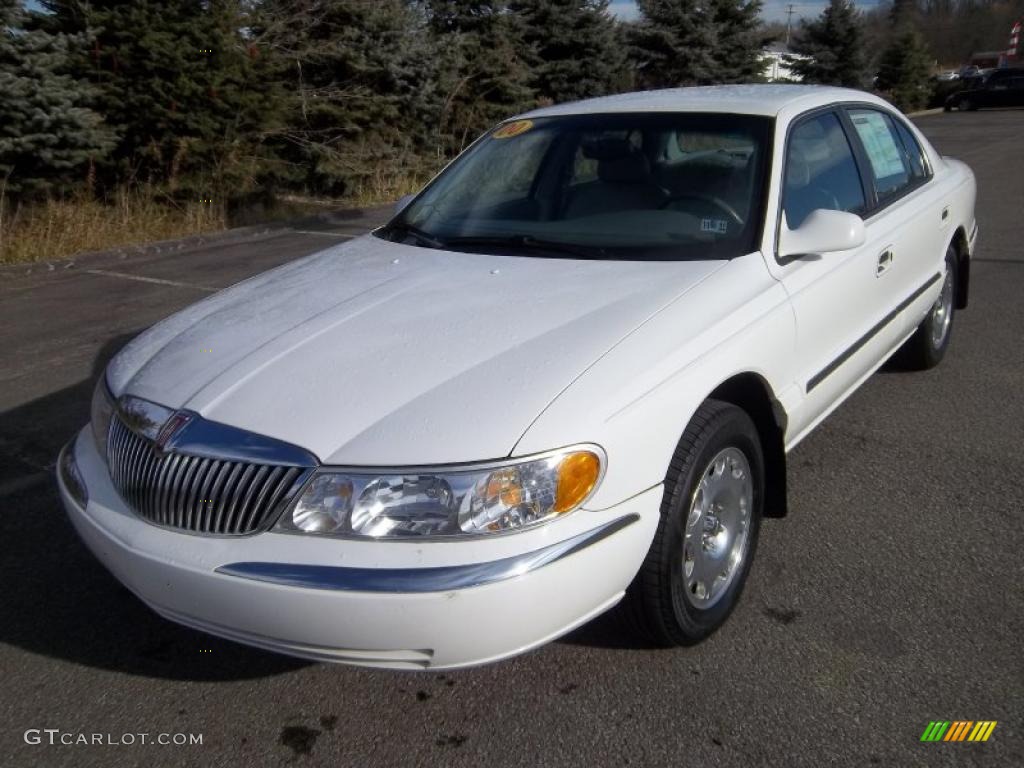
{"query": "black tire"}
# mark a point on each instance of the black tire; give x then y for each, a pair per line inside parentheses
(965, 105)
(922, 351)
(657, 606)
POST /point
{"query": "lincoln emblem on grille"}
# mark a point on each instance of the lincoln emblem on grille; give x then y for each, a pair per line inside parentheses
(171, 427)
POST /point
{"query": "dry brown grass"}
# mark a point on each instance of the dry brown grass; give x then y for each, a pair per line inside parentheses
(57, 229)
(384, 187)
(61, 228)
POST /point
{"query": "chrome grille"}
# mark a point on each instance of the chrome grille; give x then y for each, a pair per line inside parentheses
(195, 493)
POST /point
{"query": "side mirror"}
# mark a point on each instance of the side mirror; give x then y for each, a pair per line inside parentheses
(403, 201)
(822, 231)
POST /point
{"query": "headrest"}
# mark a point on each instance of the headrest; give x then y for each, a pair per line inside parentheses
(619, 161)
(607, 147)
(805, 155)
(629, 169)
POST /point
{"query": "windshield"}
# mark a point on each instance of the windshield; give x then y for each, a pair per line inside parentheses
(613, 186)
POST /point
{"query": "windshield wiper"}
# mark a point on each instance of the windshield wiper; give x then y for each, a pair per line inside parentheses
(420, 236)
(529, 242)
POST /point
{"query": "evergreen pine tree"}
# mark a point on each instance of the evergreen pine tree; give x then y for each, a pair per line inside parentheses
(571, 47)
(673, 44)
(834, 45)
(361, 94)
(904, 12)
(739, 41)
(48, 134)
(181, 84)
(483, 76)
(905, 64)
(688, 42)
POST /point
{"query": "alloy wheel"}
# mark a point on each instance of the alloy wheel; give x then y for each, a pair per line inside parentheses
(942, 311)
(716, 539)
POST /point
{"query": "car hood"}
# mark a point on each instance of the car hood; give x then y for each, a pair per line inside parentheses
(376, 353)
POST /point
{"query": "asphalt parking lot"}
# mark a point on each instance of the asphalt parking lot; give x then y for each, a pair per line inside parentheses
(892, 595)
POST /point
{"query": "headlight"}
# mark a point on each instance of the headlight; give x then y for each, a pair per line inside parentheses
(102, 410)
(491, 498)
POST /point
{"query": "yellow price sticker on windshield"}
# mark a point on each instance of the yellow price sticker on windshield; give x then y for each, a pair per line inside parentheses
(509, 130)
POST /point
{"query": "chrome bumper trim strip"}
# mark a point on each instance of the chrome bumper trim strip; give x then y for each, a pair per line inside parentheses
(70, 477)
(435, 579)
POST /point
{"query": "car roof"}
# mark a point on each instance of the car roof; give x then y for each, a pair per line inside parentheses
(754, 99)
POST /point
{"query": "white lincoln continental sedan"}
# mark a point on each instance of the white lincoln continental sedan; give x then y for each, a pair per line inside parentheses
(566, 374)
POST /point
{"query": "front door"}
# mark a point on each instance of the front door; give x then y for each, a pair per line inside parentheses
(840, 299)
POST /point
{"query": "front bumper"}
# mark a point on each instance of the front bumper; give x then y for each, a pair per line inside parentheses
(400, 604)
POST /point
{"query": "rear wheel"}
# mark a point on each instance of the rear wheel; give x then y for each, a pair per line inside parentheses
(965, 105)
(711, 513)
(926, 348)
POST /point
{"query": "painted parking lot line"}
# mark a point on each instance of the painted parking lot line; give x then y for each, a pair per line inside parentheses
(339, 235)
(154, 280)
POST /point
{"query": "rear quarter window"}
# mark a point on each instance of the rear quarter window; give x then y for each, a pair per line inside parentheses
(913, 152)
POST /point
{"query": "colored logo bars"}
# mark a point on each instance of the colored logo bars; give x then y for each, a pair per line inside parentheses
(958, 730)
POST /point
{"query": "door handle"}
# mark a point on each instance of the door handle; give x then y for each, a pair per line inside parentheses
(884, 262)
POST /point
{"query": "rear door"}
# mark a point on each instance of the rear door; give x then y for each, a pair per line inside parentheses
(907, 211)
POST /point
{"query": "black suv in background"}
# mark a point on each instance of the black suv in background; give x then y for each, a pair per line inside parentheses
(998, 88)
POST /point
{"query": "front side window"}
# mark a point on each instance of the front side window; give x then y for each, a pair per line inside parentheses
(611, 186)
(820, 171)
(890, 168)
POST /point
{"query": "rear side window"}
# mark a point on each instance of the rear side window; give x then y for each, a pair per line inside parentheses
(820, 171)
(890, 167)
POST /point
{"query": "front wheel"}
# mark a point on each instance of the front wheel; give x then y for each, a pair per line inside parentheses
(711, 514)
(926, 348)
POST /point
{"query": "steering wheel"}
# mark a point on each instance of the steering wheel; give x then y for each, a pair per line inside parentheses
(717, 202)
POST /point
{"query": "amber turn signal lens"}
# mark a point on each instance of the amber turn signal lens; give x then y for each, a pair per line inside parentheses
(577, 476)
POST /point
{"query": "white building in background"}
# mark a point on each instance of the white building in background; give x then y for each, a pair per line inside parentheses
(775, 59)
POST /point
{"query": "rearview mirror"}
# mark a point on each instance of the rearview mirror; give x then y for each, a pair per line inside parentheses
(822, 231)
(403, 201)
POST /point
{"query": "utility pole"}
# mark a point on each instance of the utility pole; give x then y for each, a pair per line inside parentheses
(790, 8)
